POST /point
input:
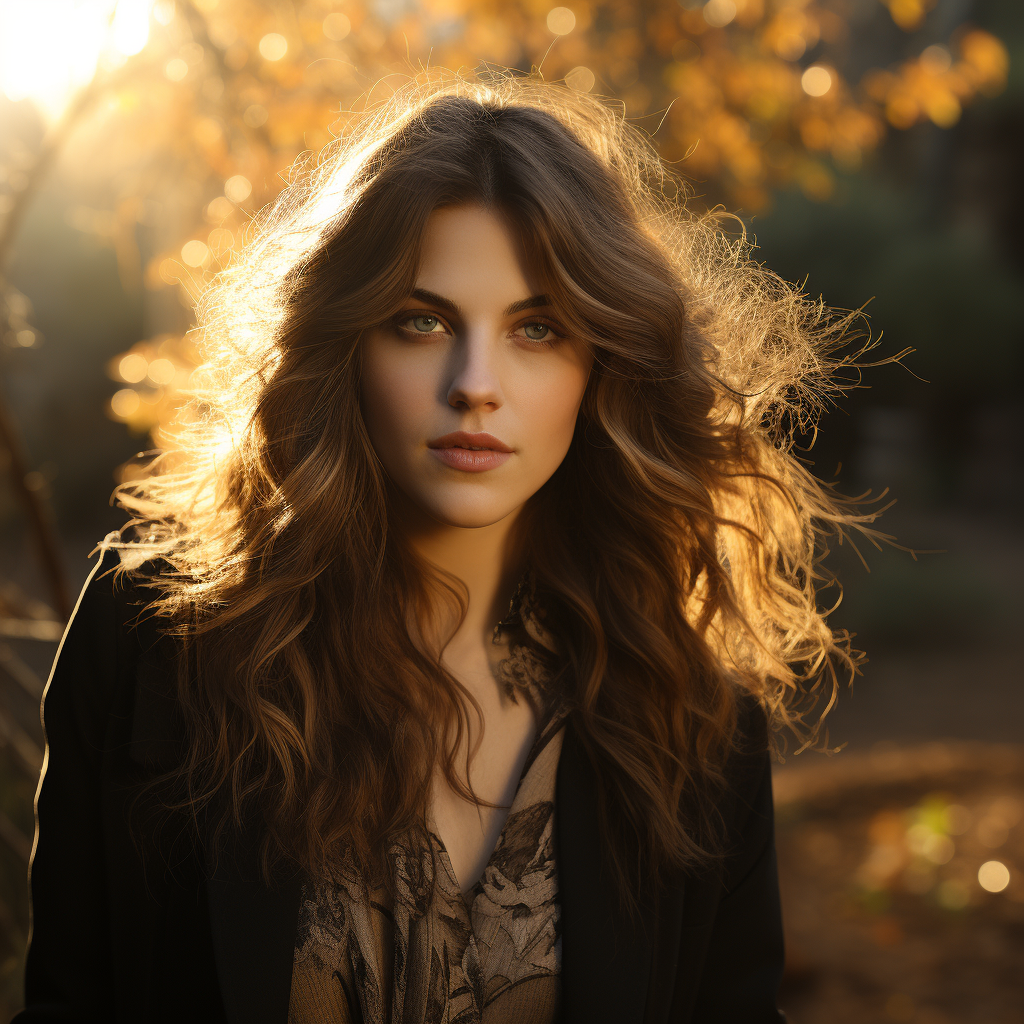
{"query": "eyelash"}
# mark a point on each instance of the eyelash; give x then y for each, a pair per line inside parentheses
(405, 317)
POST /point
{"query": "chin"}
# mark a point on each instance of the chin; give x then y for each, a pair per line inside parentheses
(467, 513)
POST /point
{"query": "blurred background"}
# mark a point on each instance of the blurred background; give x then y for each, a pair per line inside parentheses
(874, 149)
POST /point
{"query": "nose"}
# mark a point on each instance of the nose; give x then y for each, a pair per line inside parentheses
(474, 382)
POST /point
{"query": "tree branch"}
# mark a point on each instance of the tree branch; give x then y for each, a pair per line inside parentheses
(36, 510)
(39, 517)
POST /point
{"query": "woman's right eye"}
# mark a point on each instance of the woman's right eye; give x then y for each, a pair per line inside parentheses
(423, 324)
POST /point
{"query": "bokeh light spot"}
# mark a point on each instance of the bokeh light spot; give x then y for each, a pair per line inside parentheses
(993, 876)
(939, 849)
(195, 253)
(790, 46)
(908, 14)
(161, 371)
(561, 21)
(943, 109)
(337, 26)
(237, 188)
(816, 80)
(133, 367)
(125, 403)
(168, 271)
(936, 59)
(718, 13)
(176, 69)
(273, 46)
(219, 209)
(255, 115)
(220, 241)
(580, 79)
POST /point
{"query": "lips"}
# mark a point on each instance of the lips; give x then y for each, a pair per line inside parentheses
(470, 453)
(478, 442)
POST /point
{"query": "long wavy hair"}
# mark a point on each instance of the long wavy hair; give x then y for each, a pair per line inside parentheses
(674, 555)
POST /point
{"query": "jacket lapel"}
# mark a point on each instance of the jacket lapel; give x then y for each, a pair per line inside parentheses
(254, 942)
(614, 970)
(606, 958)
(666, 957)
(252, 924)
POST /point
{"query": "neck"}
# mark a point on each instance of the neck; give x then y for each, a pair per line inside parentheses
(481, 558)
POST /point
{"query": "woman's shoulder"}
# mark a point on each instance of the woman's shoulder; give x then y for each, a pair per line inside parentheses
(123, 581)
(109, 646)
(752, 735)
(746, 802)
(740, 787)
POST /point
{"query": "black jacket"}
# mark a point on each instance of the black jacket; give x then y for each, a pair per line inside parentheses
(114, 942)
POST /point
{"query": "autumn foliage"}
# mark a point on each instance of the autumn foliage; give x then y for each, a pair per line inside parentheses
(746, 95)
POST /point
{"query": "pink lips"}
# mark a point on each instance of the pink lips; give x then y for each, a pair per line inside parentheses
(472, 453)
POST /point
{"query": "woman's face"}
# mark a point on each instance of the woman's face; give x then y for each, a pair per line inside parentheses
(470, 394)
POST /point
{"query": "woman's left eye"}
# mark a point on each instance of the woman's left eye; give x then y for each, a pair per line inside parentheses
(539, 332)
(424, 324)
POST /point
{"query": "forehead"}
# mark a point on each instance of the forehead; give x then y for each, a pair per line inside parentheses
(469, 254)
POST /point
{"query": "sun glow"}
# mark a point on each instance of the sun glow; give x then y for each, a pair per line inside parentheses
(50, 48)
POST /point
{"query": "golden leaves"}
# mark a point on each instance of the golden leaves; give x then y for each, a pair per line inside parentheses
(935, 87)
(152, 374)
(247, 88)
(747, 95)
(909, 14)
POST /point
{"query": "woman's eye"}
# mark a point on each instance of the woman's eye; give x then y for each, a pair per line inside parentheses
(424, 324)
(538, 332)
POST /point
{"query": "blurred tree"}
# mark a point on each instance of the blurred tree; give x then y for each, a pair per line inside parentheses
(202, 103)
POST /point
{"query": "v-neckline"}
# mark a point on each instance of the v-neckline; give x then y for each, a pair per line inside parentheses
(554, 719)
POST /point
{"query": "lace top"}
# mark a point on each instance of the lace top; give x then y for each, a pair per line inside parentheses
(490, 956)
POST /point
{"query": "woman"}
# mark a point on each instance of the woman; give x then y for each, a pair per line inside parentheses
(437, 681)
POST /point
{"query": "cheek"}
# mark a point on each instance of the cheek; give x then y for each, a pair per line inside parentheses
(550, 406)
(397, 396)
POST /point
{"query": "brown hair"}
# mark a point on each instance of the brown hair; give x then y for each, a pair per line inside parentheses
(674, 552)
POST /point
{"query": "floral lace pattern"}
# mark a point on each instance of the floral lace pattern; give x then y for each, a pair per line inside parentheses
(533, 659)
(490, 956)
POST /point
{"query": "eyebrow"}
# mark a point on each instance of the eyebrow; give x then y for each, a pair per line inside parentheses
(534, 302)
